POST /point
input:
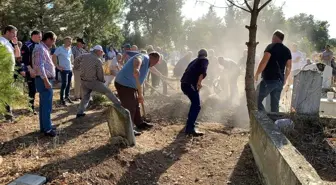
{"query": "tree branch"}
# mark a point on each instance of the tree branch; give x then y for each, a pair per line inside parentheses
(233, 4)
(211, 4)
(248, 6)
(263, 6)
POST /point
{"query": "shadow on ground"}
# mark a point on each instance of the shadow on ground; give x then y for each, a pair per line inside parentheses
(79, 163)
(141, 171)
(77, 128)
(246, 171)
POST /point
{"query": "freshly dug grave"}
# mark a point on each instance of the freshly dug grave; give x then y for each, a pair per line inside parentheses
(312, 139)
(82, 153)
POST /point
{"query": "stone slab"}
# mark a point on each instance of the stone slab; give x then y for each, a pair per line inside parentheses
(29, 179)
(278, 160)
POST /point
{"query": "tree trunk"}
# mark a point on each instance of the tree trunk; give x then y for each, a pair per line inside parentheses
(250, 63)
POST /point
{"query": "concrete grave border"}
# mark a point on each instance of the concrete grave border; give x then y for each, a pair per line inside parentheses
(279, 162)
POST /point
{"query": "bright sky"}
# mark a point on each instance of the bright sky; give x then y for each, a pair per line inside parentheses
(321, 9)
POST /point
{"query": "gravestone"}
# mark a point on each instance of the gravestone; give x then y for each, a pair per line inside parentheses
(120, 126)
(29, 179)
(307, 87)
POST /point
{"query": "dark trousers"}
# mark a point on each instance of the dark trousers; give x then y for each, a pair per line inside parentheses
(195, 107)
(269, 87)
(129, 100)
(57, 71)
(66, 76)
(46, 96)
(31, 90)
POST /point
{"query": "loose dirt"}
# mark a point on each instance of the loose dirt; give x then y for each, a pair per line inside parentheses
(82, 154)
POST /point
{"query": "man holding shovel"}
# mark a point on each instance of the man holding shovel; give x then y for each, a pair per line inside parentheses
(129, 85)
(191, 83)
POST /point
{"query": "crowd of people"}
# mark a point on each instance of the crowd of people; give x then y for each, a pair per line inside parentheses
(40, 62)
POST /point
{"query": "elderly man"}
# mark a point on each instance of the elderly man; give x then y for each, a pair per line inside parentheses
(10, 41)
(77, 51)
(45, 72)
(63, 59)
(26, 52)
(129, 85)
(92, 77)
(275, 67)
(134, 48)
(191, 83)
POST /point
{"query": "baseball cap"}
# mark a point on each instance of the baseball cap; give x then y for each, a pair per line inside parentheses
(98, 47)
(127, 46)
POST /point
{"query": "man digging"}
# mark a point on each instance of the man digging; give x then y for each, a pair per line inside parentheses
(129, 83)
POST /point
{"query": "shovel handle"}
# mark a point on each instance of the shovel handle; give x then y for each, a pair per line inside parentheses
(143, 109)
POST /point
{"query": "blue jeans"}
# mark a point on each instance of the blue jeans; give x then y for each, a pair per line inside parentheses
(269, 87)
(46, 96)
(66, 76)
(195, 106)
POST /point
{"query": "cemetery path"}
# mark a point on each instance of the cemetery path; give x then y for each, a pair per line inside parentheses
(81, 154)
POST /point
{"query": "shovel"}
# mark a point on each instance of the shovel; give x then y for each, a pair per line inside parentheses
(145, 117)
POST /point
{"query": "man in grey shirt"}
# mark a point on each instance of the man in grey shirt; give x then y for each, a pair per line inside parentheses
(77, 51)
(327, 56)
(92, 78)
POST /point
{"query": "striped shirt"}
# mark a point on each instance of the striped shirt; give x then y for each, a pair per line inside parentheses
(90, 66)
(76, 51)
(42, 62)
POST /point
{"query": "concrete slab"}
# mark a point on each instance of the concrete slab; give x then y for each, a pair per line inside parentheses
(328, 108)
(29, 179)
(278, 160)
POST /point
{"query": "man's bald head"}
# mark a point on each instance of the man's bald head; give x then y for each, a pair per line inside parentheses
(134, 48)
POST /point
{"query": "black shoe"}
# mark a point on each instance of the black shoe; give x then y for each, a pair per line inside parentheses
(63, 103)
(10, 118)
(136, 133)
(69, 100)
(144, 125)
(197, 123)
(80, 115)
(51, 133)
(195, 134)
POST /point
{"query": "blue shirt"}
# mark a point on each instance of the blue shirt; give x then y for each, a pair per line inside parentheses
(194, 70)
(125, 76)
(64, 57)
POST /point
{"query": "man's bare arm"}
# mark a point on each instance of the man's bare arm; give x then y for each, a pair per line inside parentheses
(288, 70)
(263, 64)
(136, 73)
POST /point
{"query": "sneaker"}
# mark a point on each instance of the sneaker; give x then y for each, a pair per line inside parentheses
(69, 100)
(195, 134)
(51, 133)
(145, 126)
(53, 127)
(80, 115)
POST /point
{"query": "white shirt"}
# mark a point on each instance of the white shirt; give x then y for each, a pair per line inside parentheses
(300, 63)
(9, 48)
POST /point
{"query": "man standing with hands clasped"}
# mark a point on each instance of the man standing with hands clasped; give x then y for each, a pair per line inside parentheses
(191, 83)
(275, 68)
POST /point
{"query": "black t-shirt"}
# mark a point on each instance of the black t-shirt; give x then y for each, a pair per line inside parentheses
(194, 70)
(275, 68)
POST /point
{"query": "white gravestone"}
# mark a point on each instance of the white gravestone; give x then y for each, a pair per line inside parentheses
(307, 87)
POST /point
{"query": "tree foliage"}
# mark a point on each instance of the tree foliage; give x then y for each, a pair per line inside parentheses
(159, 21)
(10, 93)
(93, 19)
